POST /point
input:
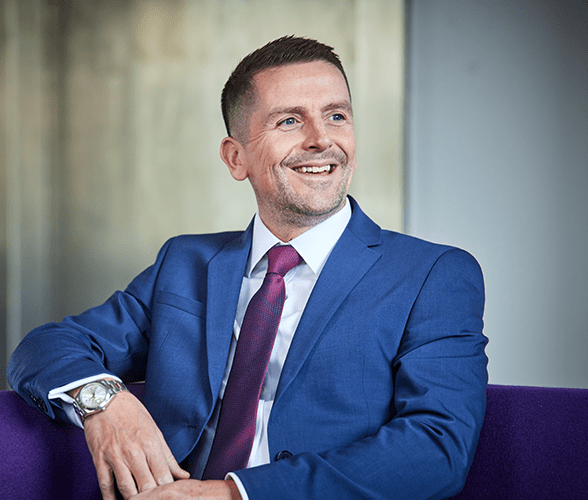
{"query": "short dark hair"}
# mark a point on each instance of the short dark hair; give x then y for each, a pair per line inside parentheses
(239, 89)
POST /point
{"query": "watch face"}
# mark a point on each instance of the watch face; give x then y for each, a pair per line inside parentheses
(93, 395)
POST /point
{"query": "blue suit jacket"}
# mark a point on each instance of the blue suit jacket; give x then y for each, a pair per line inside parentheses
(383, 391)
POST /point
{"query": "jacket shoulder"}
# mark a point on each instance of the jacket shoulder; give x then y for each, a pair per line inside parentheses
(402, 251)
(208, 244)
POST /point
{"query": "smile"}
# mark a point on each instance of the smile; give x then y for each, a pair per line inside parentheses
(314, 170)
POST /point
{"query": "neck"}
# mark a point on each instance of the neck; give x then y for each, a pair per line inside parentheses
(290, 225)
(286, 233)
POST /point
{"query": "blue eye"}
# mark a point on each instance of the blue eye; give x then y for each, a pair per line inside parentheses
(288, 121)
(337, 117)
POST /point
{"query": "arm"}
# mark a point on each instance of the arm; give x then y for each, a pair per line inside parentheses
(439, 372)
(192, 489)
(111, 338)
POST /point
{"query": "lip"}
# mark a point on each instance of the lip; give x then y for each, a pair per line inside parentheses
(295, 162)
(314, 168)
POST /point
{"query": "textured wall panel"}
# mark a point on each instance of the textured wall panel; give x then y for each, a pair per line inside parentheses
(120, 127)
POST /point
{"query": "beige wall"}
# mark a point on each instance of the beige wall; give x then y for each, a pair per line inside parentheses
(111, 125)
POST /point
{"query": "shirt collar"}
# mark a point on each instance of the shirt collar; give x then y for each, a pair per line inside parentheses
(313, 245)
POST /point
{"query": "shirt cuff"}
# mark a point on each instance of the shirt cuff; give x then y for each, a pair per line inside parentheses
(67, 401)
(239, 484)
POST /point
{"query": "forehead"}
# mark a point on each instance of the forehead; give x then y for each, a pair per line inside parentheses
(308, 81)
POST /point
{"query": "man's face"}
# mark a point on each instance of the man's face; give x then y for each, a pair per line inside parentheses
(300, 150)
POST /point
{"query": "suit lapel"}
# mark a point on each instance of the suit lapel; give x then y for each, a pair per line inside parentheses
(348, 263)
(225, 276)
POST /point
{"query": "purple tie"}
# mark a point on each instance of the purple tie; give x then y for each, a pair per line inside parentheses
(236, 424)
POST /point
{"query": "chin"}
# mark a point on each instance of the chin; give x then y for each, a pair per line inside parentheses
(316, 213)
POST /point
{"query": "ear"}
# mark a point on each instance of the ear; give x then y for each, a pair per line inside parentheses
(233, 154)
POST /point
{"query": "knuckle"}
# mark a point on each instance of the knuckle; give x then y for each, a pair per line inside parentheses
(105, 484)
(151, 443)
(125, 485)
(166, 479)
(133, 454)
(104, 476)
(147, 486)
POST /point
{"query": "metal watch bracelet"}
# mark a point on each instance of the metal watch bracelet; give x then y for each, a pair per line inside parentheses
(109, 388)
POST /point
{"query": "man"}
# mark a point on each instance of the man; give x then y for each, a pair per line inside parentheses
(375, 385)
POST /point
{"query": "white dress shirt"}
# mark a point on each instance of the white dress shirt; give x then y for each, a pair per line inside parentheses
(314, 246)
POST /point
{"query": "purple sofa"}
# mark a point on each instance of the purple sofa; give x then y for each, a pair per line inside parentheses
(533, 446)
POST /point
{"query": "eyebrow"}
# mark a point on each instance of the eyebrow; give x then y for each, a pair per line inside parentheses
(294, 110)
(300, 110)
(344, 105)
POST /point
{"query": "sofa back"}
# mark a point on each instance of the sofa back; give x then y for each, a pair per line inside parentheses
(533, 446)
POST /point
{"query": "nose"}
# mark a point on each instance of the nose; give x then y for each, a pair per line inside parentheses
(316, 137)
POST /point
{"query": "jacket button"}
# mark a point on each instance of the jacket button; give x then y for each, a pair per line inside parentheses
(283, 455)
(39, 403)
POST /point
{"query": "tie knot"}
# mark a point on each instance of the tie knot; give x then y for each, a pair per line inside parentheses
(281, 259)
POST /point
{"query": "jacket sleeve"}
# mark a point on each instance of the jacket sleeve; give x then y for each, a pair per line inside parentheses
(111, 338)
(440, 378)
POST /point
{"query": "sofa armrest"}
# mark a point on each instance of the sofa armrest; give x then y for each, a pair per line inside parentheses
(41, 459)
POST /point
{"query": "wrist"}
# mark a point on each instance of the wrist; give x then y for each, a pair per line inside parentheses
(95, 396)
(235, 495)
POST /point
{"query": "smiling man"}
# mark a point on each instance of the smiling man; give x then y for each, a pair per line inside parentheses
(299, 151)
(313, 355)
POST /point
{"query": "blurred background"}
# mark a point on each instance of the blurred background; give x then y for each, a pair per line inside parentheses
(471, 120)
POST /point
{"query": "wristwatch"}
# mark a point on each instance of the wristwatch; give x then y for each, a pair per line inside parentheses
(95, 396)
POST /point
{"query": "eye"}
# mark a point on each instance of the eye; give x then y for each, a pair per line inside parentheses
(337, 117)
(288, 122)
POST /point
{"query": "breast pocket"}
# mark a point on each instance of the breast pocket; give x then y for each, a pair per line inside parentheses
(182, 303)
(178, 327)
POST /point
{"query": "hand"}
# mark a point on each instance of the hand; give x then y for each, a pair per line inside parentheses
(124, 440)
(191, 489)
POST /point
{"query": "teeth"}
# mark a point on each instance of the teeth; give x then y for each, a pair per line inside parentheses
(314, 170)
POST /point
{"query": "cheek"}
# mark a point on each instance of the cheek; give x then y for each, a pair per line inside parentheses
(273, 152)
(350, 143)
(262, 148)
(345, 139)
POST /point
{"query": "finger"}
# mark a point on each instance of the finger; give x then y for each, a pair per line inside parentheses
(176, 471)
(136, 474)
(160, 469)
(105, 482)
(165, 471)
(125, 482)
